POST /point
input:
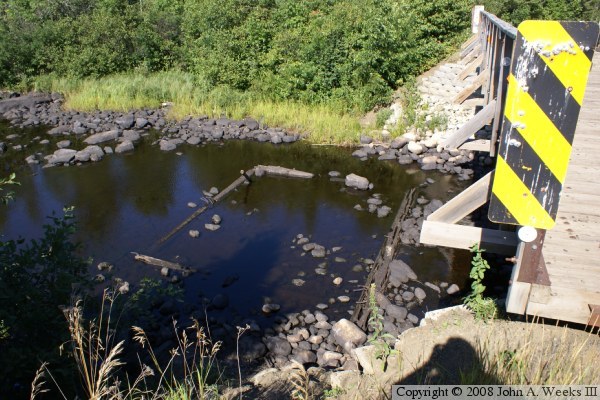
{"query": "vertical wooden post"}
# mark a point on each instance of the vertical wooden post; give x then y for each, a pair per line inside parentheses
(500, 93)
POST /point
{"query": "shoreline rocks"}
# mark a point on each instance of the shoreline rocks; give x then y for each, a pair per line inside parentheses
(126, 129)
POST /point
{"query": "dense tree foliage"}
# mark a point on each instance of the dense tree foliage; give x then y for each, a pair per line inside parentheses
(516, 11)
(350, 53)
(347, 53)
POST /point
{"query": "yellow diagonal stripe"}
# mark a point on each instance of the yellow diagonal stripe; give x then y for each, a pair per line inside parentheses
(537, 129)
(571, 69)
(517, 199)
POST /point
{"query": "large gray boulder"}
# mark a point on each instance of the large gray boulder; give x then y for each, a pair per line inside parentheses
(90, 153)
(102, 137)
(62, 156)
(357, 182)
(278, 346)
(400, 273)
(397, 312)
(124, 146)
(303, 356)
(347, 335)
(125, 122)
(167, 145)
(28, 101)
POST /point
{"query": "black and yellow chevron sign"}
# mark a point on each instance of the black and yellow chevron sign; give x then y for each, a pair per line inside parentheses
(549, 71)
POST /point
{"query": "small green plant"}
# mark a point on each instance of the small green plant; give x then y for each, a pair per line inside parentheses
(483, 307)
(8, 196)
(3, 331)
(411, 101)
(378, 337)
(333, 393)
(382, 116)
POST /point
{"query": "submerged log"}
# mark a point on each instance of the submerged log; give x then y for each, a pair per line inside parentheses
(161, 263)
(259, 170)
(281, 171)
(380, 272)
(244, 178)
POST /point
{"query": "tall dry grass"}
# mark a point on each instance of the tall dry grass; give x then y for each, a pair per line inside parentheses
(322, 123)
(545, 355)
(191, 370)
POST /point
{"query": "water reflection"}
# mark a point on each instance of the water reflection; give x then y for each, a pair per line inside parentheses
(127, 202)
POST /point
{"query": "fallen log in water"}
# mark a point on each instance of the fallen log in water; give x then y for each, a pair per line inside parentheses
(258, 171)
(380, 272)
(244, 178)
(161, 263)
(281, 171)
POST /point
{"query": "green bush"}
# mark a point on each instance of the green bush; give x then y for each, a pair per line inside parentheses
(347, 54)
(516, 11)
(36, 279)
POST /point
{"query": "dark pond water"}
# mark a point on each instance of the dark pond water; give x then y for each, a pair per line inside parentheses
(126, 203)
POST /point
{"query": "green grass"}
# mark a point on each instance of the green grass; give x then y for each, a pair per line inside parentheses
(129, 91)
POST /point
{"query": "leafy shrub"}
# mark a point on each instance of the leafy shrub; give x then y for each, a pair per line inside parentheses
(347, 54)
(36, 278)
(516, 11)
(382, 116)
(484, 307)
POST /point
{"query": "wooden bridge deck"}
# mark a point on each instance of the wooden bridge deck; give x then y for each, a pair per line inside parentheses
(572, 248)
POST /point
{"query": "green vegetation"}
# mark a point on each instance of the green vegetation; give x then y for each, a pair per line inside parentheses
(378, 337)
(516, 11)
(333, 393)
(541, 355)
(484, 307)
(382, 116)
(289, 62)
(8, 196)
(189, 372)
(36, 279)
(312, 66)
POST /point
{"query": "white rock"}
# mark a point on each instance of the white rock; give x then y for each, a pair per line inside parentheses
(410, 136)
(429, 159)
(124, 146)
(414, 147)
(357, 182)
(347, 335)
(453, 289)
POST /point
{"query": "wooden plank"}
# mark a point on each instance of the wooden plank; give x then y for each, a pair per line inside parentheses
(468, 44)
(478, 121)
(475, 102)
(464, 237)
(464, 203)
(469, 69)
(594, 316)
(540, 293)
(488, 86)
(472, 55)
(517, 297)
(482, 145)
(468, 91)
(500, 99)
(565, 304)
(518, 292)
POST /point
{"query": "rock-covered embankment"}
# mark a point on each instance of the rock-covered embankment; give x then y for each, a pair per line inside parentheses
(105, 132)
